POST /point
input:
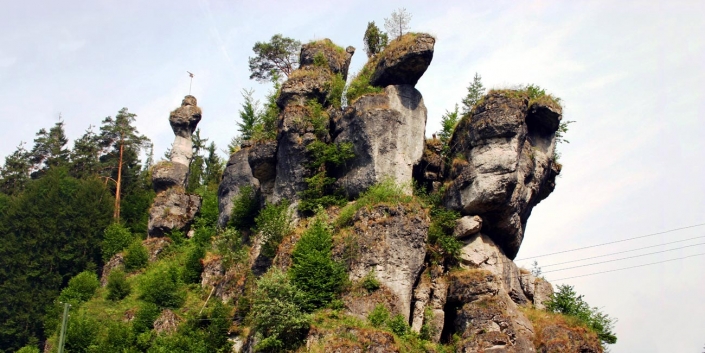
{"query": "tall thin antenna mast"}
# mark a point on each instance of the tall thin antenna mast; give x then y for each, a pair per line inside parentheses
(190, 74)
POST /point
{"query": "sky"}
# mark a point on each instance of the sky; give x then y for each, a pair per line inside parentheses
(629, 73)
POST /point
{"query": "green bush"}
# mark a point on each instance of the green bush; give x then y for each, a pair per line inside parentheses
(245, 207)
(378, 316)
(119, 339)
(273, 222)
(193, 267)
(82, 334)
(136, 257)
(398, 325)
(81, 288)
(118, 287)
(370, 282)
(177, 237)
(335, 91)
(163, 288)
(115, 238)
(444, 246)
(28, 349)
(313, 269)
(360, 84)
(145, 316)
(229, 246)
(567, 302)
(277, 314)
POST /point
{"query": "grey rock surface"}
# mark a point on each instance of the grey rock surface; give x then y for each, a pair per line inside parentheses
(428, 173)
(392, 243)
(263, 162)
(387, 133)
(503, 165)
(237, 174)
(169, 174)
(172, 209)
(338, 60)
(467, 226)
(404, 62)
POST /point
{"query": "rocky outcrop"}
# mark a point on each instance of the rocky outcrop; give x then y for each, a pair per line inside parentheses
(236, 176)
(337, 59)
(503, 164)
(483, 315)
(387, 133)
(467, 226)
(428, 173)
(167, 322)
(404, 61)
(115, 262)
(263, 162)
(392, 245)
(173, 208)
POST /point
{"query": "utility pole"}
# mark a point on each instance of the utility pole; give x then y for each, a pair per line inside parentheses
(64, 321)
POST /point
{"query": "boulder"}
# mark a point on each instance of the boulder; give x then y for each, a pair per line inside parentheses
(391, 242)
(337, 59)
(304, 84)
(167, 322)
(169, 174)
(117, 261)
(236, 176)
(184, 119)
(387, 133)
(429, 171)
(404, 60)
(467, 226)
(537, 289)
(172, 209)
(503, 164)
(155, 246)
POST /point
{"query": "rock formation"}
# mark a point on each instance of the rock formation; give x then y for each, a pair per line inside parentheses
(173, 208)
(503, 164)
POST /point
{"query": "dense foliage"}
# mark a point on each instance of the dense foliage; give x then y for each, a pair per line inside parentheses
(279, 56)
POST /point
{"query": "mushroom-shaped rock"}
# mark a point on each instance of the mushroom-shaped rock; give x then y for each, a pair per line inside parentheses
(404, 60)
(387, 133)
(168, 174)
(503, 165)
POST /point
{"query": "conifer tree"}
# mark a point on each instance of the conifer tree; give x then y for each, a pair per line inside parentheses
(15, 172)
(375, 40)
(249, 115)
(196, 169)
(49, 149)
(475, 91)
(85, 155)
(122, 144)
(214, 166)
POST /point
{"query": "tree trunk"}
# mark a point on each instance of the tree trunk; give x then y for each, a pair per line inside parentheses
(116, 212)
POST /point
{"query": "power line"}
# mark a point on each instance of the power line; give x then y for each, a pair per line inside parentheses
(627, 268)
(621, 252)
(612, 242)
(624, 258)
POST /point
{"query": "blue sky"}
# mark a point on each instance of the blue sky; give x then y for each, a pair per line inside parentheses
(630, 74)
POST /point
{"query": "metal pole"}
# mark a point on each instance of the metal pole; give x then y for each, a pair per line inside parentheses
(64, 321)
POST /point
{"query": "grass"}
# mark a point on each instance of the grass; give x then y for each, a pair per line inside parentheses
(541, 319)
(385, 192)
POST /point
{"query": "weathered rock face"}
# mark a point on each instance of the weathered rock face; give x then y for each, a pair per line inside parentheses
(387, 133)
(503, 164)
(236, 176)
(429, 171)
(338, 61)
(391, 242)
(263, 162)
(484, 316)
(172, 209)
(404, 61)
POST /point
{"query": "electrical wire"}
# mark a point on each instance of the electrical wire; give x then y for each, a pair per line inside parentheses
(626, 268)
(612, 242)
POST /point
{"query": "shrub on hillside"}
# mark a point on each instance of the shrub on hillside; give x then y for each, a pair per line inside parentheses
(82, 334)
(136, 257)
(313, 269)
(115, 238)
(163, 288)
(118, 287)
(273, 222)
(193, 267)
(245, 207)
(28, 349)
(145, 316)
(81, 288)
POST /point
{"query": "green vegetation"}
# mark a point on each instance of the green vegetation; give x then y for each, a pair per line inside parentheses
(374, 40)
(136, 257)
(442, 245)
(378, 316)
(118, 287)
(273, 222)
(566, 301)
(335, 90)
(275, 58)
(116, 238)
(163, 288)
(191, 273)
(360, 84)
(80, 288)
(313, 269)
(475, 93)
(28, 349)
(245, 207)
(385, 192)
(278, 316)
(370, 282)
(320, 192)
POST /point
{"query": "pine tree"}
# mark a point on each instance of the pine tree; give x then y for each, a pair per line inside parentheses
(475, 91)
(122, 144)
(15, 173)
(448, 122)
(214, 166)
(85, 155)
(196, 169)
(49, 149)
(375, 40)
(249, 115)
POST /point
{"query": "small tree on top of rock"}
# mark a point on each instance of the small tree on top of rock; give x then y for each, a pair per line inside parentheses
(375, 40)
(272, 59)
(397, 24)
(475, 91)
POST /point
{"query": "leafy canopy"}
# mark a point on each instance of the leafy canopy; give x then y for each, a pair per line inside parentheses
(279, 56)
(375, 40)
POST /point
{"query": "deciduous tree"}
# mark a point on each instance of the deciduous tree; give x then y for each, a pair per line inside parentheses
(398, 23)
(279, 56)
